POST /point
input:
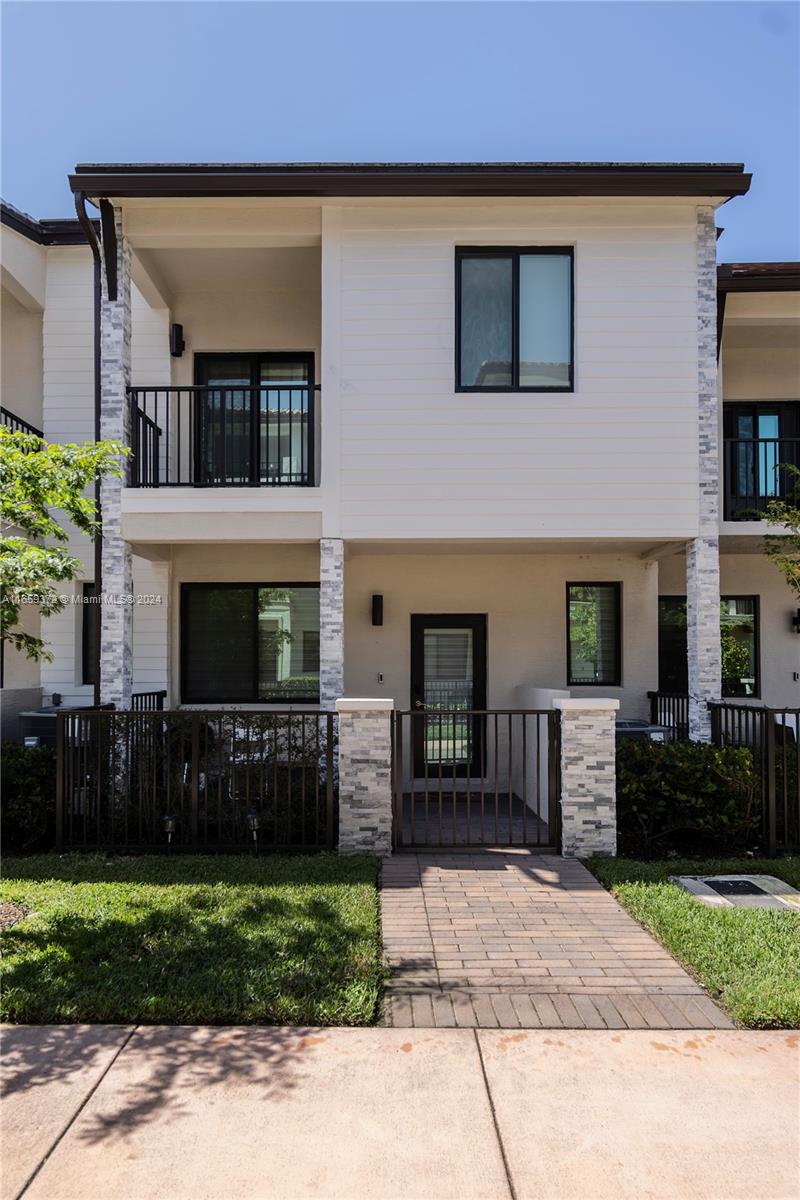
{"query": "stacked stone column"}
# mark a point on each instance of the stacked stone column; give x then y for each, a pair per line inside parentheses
(588, 777)
(331, 621)
(116, 613)
(365, 776)
(702, 554)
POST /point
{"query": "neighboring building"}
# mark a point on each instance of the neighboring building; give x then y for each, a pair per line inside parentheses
(485, 394)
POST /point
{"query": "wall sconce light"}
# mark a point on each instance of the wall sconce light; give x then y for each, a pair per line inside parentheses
(170, 825)
(253, 824)
(176, 343)
(377, 610)
(796, 621)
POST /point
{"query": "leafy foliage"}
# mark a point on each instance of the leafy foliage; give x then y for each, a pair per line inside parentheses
(29, 797)
(38, 480)
(670, 792)
(783, 549)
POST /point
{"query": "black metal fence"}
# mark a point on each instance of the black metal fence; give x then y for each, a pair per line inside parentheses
(670, 709)
(754, 474)
(773, 735)
(17, 424)
(222, 436)
(190, 780)
(148, 701)
(463, 777)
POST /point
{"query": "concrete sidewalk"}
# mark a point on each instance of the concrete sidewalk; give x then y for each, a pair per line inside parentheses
(155, 1113)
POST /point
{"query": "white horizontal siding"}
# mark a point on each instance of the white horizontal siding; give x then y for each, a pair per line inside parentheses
(618, 457)
(68, 345)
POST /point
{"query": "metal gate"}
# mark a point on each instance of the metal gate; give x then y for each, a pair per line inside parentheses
(466, 778)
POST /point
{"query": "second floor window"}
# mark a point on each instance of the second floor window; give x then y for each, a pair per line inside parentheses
(514, 319)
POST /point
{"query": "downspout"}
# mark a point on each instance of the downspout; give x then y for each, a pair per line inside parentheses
(91, 237)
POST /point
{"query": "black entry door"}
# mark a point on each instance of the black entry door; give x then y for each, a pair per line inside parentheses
(448, 686)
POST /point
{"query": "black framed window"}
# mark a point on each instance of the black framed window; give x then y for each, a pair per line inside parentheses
(90, 632)
(514, 319)
(250, 643)
(739, 642)
(594, 629)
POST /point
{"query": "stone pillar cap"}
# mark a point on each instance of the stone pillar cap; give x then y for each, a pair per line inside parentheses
(360, 705)
(605, 705)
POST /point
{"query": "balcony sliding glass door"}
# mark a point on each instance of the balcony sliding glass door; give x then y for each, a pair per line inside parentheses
(254, 419)
(760, 440)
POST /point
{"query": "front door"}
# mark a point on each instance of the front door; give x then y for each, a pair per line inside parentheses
(448, 692)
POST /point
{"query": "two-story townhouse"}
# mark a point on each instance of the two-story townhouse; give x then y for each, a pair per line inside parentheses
(445, 434)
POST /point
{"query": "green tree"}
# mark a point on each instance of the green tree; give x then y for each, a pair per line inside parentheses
(37, 481)
(784, 548)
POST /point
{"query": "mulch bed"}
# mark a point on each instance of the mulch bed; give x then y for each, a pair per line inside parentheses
(11, 913)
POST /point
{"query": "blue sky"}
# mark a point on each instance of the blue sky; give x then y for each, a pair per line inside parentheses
(195, 81)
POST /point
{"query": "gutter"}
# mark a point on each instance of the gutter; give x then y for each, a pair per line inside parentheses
(91, 237)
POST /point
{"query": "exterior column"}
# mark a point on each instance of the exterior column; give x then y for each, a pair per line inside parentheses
(365, 776)
(116, 616)
(702, 554)
(588, 777)
(331, 621)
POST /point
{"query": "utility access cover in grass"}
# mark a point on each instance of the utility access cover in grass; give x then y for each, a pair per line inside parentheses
(735, 887)
(744, 891)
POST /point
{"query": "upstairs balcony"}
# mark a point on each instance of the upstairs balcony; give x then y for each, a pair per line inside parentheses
(754, 475)
(762, 439)
(217, 436)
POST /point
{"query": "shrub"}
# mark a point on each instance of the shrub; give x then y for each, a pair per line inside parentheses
(29, 797)
(678, 794)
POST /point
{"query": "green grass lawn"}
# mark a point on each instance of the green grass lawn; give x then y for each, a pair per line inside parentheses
(223, 940)
(748, 958)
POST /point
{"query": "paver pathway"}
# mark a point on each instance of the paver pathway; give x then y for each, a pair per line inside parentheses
(513, 939)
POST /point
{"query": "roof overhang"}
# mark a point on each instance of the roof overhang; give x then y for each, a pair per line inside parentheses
(758, 277)
(720, 180)
(53, 232)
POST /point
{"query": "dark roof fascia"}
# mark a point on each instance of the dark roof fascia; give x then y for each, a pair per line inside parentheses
(410, 179)
(56, 231)
(758, 277)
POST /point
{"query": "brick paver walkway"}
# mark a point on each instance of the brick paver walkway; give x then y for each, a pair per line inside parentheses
(516, 939)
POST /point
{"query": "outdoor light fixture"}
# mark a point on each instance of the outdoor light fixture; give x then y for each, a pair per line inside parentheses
(170, 825)
(253, 824)
(176, 343)
(796, 621)
(377, 609)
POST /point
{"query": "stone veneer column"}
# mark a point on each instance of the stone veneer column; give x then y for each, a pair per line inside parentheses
(365, 776)
(702, 554)
(588, 777)
(116, 618)
(331, 621)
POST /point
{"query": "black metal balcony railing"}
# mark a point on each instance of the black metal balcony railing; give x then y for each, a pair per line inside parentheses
(222, 436)
(754, 474)
(148, 701)
(17, 424)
